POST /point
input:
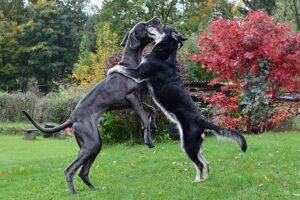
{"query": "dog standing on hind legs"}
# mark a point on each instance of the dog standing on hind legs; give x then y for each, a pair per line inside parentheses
(160, 70)
(114, 92)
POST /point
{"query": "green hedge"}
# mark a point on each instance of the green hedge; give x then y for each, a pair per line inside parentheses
(11, 105)
(116, 126)
(55, 107)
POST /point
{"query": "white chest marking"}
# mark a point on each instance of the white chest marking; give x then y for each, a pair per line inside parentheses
(168, 114)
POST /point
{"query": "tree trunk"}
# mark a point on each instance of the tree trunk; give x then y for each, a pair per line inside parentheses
(297, 16)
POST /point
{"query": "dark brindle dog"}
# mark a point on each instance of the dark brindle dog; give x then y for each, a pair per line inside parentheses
(114, 92)
(162, 75)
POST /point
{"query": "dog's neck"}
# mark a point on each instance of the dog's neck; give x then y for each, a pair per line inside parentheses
(166, 56)
(173, 57)
(131, 58)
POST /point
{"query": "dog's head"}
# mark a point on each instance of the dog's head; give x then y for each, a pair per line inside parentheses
(166, 39)
(138, 36)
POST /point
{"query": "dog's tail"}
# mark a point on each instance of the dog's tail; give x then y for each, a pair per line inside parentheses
(66, 124)
(225, 133)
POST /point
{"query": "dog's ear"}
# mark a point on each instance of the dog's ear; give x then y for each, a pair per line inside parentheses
(178, 37)
(123, 43)
(134, 43)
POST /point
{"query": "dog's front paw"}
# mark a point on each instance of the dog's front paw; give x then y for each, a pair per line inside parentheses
(150, 145)
(197, 181)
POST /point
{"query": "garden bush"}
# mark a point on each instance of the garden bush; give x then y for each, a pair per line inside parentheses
(258, 59)
(11, 105)
(55, 107)
(116, 126)
(124, 125)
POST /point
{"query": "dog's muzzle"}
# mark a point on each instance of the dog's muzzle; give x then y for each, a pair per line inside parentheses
(155, 33)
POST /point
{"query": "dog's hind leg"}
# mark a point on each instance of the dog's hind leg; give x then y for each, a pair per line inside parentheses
(138, 108)
(192, 151)
(71, 170)
(152, 113)
(205, 165)
(85, 169)
(88, 140)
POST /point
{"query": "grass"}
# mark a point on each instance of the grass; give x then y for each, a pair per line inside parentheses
(270, 169)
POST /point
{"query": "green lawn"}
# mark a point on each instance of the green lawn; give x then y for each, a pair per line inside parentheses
(270, 169)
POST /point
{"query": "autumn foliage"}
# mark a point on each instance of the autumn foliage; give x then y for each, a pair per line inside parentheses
(91, 67)
(256, 56)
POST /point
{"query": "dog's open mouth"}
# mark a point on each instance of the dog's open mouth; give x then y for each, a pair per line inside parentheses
(156, 34)
(152, 35)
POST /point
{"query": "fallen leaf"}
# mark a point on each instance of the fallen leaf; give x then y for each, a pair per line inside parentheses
(258, 180)
(109, 177)
(1, 173)
(285, 184)
(270, 175)
(251, 169)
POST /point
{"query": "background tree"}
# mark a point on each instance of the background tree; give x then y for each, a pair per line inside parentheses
(49, 41)
(267, 6)
(91, 66)
(8, 49)
(289, 11)
(43, 51)
(200, 13)
(257, 56)
(124, 14)
(11, 17)
(13, 10)
(49, 56)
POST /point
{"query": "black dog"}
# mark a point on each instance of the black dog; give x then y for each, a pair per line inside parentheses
(114, 92)
(162, 75)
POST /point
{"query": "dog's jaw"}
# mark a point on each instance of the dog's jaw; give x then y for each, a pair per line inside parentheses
(155, 34)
